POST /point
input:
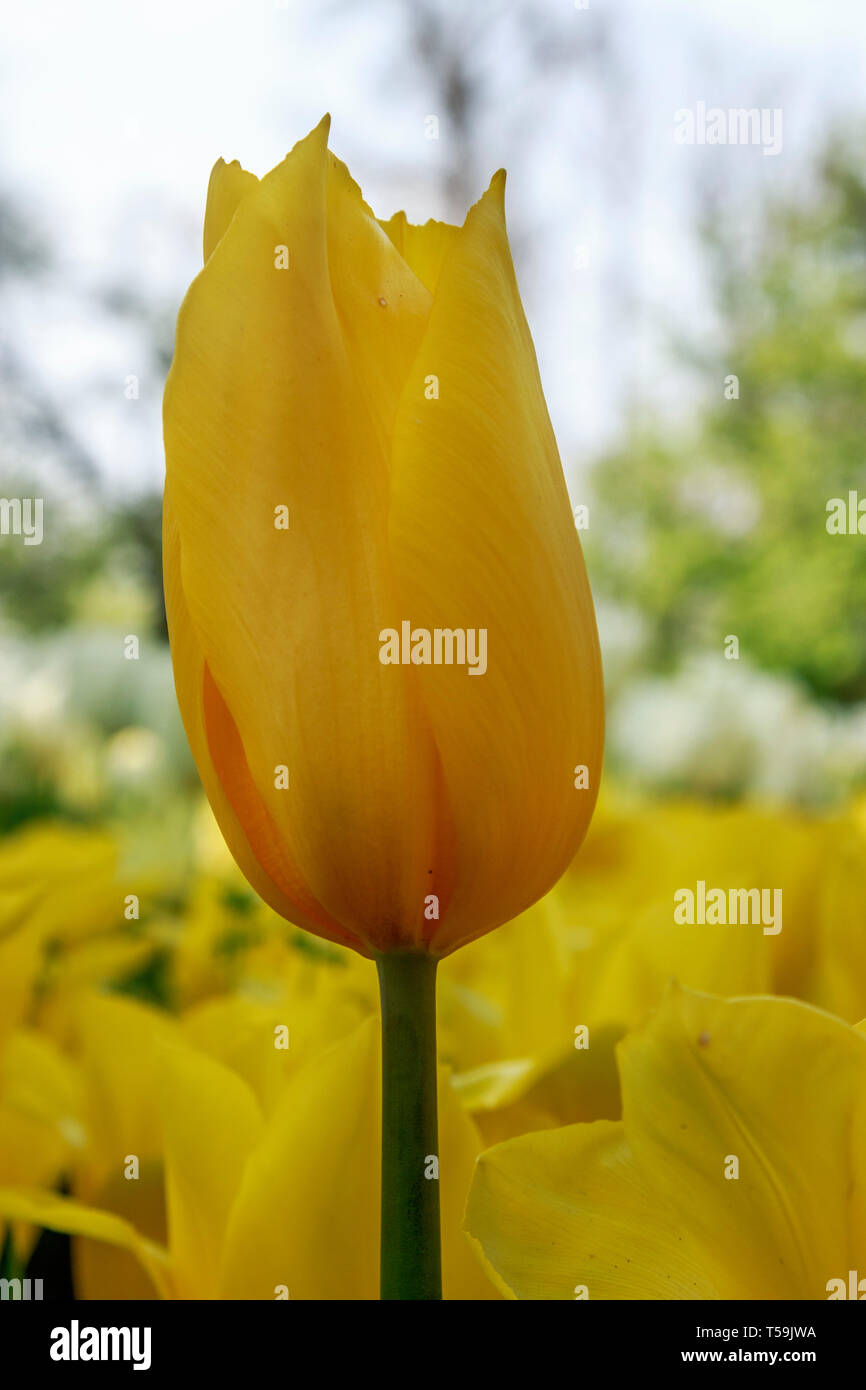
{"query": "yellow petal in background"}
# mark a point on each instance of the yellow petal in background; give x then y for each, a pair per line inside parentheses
(21, 954)
(211, 1124)
(566, 1214)
(118, 1040)
(115, 1270)
(42, 1133)
(839, 935)
(615, 908)
(630, 976)
(249, 1035)
(42, 1121)
(782, 1088)
(738, 1170)
(74, 1218)
(71, 872)
(307, 1215)
(514, 1097)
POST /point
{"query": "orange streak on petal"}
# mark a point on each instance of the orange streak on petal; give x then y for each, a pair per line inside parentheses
(230, 763)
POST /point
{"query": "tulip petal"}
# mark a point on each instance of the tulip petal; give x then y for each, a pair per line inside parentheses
(271, 402)
(240, 1032)
(307, 1214)
(228, 184)
(566, 1214)
(102, 1269)
(21, 953)
(381, 302)
(654, 1206)
(483, 538)
(41, 1110)
(211, 1123)
(423, 248)
(840, 976)
(73, 1218)
(510, 1098)
(651, 948)
(216, 746)
(118, 1041)
(781, 1087)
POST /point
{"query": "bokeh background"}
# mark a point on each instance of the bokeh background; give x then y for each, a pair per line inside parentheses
(650, 271)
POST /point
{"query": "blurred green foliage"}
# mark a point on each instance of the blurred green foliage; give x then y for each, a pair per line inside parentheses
(45, 587)
(723, 529)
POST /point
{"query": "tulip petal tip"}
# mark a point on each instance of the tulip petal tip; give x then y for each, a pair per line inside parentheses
(497, 187)
(493, 197)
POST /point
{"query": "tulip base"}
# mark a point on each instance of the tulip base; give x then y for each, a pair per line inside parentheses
(410, 1261)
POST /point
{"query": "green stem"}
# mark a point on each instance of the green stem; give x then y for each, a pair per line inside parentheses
(410, 1265)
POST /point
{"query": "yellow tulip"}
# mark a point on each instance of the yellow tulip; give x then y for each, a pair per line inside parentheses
(382, 633)
(357, 439)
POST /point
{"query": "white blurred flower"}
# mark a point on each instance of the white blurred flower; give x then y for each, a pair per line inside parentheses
(721, 728)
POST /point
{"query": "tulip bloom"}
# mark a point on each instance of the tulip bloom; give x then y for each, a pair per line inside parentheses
(361, 477)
